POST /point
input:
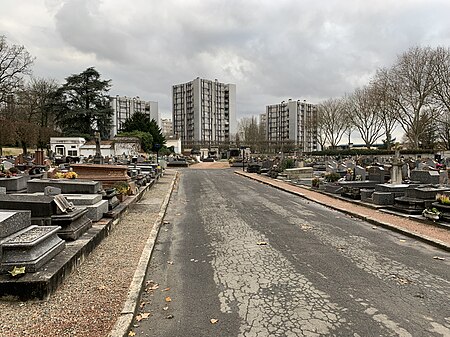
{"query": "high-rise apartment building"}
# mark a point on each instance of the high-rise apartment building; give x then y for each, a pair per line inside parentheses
(124, 107)
(292, 122)
(166, 126)
(204, 112)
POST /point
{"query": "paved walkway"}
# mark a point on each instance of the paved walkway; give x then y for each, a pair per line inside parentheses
(429, 233)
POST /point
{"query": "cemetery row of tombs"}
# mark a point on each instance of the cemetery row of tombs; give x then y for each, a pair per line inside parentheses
(49, 221)
(413, 187)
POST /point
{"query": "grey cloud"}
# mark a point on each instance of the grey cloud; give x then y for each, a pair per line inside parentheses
(272, 50)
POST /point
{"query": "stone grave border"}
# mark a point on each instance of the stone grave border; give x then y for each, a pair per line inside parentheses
(40, 285)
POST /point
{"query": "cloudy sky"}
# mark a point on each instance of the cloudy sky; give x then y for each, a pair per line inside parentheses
(271, 49)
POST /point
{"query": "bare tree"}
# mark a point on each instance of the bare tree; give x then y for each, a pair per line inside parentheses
(15, 62)
(363, 115)
(333, 119)
(384, 103)
(320, 125)
(36, 98)
(251, 133)
(412, 87)
(7, 134)
(441, 77)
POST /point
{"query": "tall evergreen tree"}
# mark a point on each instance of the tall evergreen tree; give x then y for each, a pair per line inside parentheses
(139, 121)
(82, 105)
(158, 138)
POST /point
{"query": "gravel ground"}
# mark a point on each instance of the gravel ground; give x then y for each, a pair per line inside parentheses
(91, 298)
(420, 228)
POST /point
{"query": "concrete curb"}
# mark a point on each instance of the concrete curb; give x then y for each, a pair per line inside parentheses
(434, 242)
(125, 319)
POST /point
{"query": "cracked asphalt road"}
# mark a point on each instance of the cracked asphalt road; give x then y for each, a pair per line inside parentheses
(267, 263)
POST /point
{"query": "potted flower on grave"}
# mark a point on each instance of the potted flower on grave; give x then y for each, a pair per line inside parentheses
(431, 213)
(443, 199)
(315, 182)
(122, 188)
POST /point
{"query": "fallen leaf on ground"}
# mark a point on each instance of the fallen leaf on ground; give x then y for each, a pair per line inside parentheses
(169, 316)
(166, 289)
(402, 240)
(166, 308)
(438, 258)
(17, 271)
(169, 262)
(143, 303)
(138, 318)
(166, 222)
(152, 286)
(168, 299)
(261, 243)
(132, 333)
(145, 315)
(213, 320)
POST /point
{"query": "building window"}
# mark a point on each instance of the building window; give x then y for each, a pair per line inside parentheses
(72, 153)
(60, 150)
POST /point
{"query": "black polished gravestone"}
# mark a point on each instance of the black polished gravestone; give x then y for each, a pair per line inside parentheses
(46, 211)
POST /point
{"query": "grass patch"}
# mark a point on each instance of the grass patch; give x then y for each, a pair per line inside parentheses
(14, 151)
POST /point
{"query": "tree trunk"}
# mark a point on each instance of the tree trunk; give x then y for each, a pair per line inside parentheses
(388, 141)
(24, 148)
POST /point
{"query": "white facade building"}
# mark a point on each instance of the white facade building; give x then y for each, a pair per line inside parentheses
(66, 146)
(166, 127)
(204, 112)
(124, 107)
(292, 121)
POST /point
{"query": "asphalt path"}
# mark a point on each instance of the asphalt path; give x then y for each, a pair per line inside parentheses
(239, 258)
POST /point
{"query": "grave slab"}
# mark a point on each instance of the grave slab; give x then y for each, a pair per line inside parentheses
(31, 248)
(13, 221)
(67, 186)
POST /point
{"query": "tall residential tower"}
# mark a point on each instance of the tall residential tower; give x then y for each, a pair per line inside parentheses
(292, 122)
(204, 112)
(124, 107)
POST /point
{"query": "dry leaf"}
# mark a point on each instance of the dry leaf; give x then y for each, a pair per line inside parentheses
(145, 315)
(17, 271)
(261, 243)
(438, 258)
(143, 303)
(213, 320)
(402, 240)
(132, 333)
(167, 289)
(169, 316)
(169, 262)
(166, 308)
(139, 318)
(168, 299)
(165, 222)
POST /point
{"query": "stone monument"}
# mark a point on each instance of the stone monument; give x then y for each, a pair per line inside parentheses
(98, 159)
(396, 170)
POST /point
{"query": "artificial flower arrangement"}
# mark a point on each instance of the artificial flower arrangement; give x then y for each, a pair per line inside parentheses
(66, 175)
(443, 199)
